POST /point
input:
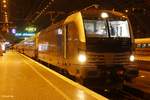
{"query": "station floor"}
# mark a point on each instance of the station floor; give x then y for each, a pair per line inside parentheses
(24, 79)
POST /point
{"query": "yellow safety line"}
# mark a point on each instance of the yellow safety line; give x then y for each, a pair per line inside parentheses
(57, 89)
(90, 92)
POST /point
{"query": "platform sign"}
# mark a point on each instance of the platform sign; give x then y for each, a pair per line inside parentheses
(24, 34)
(30, 29)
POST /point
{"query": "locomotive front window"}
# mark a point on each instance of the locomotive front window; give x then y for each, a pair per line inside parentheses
(96, 28)
(107, 28)
(119, 28)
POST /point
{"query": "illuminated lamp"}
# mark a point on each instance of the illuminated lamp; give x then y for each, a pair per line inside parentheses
(30, 29)
(4, 1)
(13, 31)
(104, 15)
(4, 5)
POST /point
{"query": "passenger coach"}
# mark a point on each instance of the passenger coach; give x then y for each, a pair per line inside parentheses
(142, 47)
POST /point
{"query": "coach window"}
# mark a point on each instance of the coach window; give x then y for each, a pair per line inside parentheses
(95, 28)
(138, 45)
(148, 45)
(144, 45)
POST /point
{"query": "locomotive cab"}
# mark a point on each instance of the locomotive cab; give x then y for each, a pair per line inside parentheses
(109, 34)
(108, 47)
(90, 45)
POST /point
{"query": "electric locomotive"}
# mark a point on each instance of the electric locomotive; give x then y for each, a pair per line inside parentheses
(92, 45)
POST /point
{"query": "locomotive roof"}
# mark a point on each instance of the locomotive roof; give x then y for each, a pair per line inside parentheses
(93, 10)
(96, 11)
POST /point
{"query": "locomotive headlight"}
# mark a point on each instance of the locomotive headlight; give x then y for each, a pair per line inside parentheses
(132, 58)
(82, 58)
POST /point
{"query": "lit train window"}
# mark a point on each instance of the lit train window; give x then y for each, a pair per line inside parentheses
(119, 28)
(89, 26)
(143, 45)
(29, 43)
(148, 45)
(102, 28)
(43, 47)
(96, 28)
(138, 45)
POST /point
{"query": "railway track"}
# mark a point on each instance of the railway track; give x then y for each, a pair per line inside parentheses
(128, 93)
(136, 92)
(124, 95)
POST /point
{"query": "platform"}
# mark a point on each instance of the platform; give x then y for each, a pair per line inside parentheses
(21, 78)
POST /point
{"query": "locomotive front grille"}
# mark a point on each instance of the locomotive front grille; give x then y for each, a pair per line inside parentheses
(108, 58)
(97, 59)
(121, 58)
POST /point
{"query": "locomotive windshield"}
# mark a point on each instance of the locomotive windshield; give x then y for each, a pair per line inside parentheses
(110, 30)
(106, 28)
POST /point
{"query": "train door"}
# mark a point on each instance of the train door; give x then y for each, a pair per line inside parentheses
(72, 46)
(60, 43)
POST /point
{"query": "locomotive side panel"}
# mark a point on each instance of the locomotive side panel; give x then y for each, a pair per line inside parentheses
(29, 47)
(75, 44)
(50, 45)
(43, 46)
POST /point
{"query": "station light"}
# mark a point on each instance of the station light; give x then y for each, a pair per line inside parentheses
(126, 10)
(30, 29)
(4, 1)
(13, 31)
(25, 38)
(124, 16)
(142, 76)
(4, 5)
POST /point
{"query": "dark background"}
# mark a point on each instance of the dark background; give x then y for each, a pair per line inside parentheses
(41, 13)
